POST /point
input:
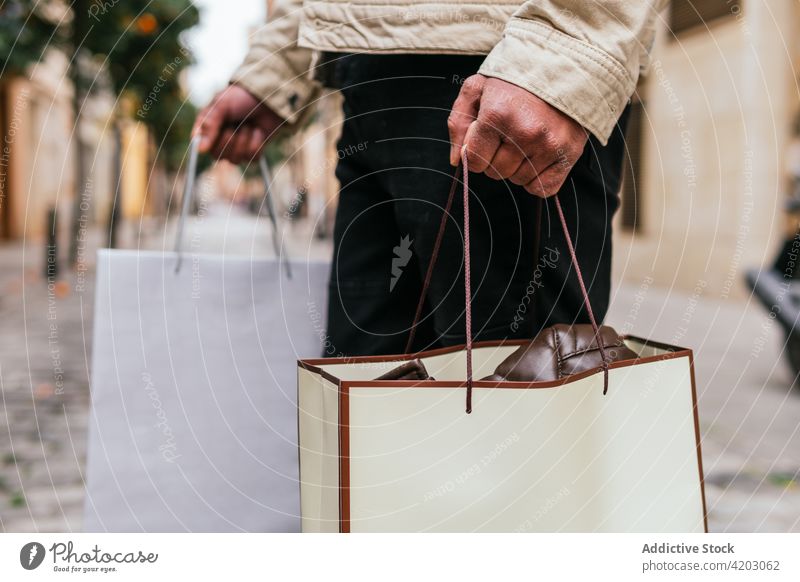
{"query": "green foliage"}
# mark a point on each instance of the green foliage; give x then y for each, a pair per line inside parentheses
(24, 35)
(171, 118)
(17, 499)
(786, 480)
(141, 41)
(137, 41)
(140, 44)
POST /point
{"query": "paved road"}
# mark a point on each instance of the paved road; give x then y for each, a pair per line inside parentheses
(749, 415)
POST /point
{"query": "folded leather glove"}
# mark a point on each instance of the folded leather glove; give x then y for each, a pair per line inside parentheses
(559, 351)
(411, 370)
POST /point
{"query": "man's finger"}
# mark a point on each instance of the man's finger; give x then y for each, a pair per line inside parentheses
(458, 123)
(482, 142)
(221, 148)
(240, 145)
(505, 162)
(465, 111)
(210, 124)
(528, 170)
(549, 182)
(257, 141)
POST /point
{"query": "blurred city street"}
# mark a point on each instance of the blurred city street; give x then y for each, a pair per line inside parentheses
(45, 355)
(669, 131)
(748, 411)
(749, 414)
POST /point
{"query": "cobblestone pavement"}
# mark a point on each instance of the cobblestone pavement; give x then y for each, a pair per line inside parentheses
(749, 414)
(45, 396)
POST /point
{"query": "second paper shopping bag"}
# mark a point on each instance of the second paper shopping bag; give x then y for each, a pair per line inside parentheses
(193, 402)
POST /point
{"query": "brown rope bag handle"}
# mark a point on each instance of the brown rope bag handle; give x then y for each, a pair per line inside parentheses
(464, 168)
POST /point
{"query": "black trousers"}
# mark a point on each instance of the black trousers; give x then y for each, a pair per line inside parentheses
(395, 175)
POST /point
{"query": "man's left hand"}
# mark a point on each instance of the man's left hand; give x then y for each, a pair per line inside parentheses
(511, 134)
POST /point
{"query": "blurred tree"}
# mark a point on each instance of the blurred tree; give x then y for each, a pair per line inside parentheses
(138, 42)
(26, 30)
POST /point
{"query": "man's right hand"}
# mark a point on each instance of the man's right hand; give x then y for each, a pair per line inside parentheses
(236, 125)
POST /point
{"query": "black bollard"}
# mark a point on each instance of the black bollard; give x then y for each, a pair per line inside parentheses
(51, 248)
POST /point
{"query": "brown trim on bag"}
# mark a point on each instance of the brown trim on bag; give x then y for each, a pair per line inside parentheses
(655, 344)
(698, 439)
(505, 384)
(394, 357)
(312, 364)
(344, 386)
(299, 450)
(344, 458)
(319, 371)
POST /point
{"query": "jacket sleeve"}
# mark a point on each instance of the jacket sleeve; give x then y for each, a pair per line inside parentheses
(276, 69)
(583, 57)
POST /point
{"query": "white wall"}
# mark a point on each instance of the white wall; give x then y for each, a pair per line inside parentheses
(719, 106)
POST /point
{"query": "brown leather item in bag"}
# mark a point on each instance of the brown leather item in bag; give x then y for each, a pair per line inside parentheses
(412, 370)
(559, 351)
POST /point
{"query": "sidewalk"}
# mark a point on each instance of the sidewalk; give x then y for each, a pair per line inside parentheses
(749, 415)
(44, 379)
(750, 418)
(45, 354)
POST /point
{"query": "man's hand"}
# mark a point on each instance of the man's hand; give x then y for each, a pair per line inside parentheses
(235, 126)
(512, 134)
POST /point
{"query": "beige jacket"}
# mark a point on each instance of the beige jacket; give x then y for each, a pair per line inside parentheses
(582, 56)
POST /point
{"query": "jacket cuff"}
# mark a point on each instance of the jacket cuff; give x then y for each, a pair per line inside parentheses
(277, 86)
(573, 76)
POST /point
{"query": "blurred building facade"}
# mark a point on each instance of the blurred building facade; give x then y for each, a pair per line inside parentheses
(306, 176)
(705, 181)
(704, 177)
(38, 149)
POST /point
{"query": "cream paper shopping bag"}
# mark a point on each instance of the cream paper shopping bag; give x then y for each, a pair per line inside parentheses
(612, 449)
(383, 455)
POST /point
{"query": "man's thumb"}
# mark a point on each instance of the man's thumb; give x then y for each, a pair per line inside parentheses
(208, 127)
(463, 114)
